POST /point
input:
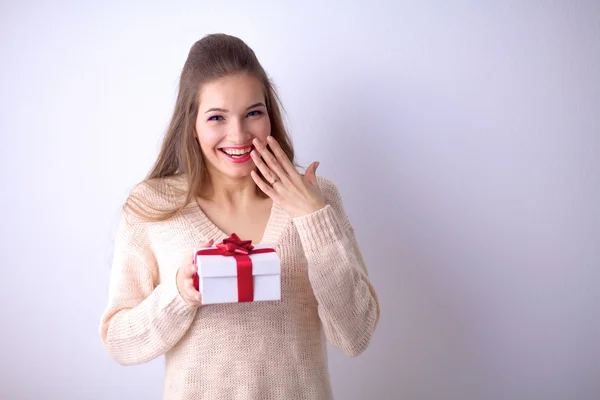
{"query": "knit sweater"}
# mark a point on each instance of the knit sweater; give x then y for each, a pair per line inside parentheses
(267, 350)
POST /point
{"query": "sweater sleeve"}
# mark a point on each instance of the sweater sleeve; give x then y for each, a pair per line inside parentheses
(143, 318)
(347, 303)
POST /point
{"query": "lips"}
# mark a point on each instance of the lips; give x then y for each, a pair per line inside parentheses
(237, 155)
(236, 152)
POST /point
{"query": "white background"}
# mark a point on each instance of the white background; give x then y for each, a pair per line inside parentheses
(464, 137)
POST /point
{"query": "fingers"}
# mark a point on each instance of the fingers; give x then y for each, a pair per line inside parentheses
(205, 244)
(267, 173)
(188, 271)
(191, 293)
(268, 189)
(191, 289)
(282, 158)
(186, 285)
(188, 280)
(270, 161)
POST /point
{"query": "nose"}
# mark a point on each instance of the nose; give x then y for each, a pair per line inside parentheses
(238, 132)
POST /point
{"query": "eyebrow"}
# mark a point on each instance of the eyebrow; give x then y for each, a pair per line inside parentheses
(223, 110)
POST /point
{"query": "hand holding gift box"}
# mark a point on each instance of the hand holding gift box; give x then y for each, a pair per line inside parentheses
(236, 271)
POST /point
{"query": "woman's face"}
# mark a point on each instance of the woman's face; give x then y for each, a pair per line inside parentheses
(232, 112)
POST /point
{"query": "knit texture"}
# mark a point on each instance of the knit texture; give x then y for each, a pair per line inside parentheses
(267, 350)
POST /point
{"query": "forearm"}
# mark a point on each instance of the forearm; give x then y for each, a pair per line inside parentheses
(135, 335)
(348, 305)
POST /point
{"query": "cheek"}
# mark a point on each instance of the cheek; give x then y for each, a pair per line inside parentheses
(263, 129)
(208, 138)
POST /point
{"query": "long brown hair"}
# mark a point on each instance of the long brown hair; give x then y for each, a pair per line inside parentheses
(210, 58)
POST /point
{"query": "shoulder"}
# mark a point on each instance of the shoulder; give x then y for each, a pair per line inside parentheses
(153, 197)
(160, 190)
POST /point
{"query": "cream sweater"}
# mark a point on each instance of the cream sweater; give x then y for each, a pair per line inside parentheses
(260, 350)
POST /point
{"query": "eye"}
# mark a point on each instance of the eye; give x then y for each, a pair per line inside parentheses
(254, 113)
(215, 118)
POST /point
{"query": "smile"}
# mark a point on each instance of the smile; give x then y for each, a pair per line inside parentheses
(237, 154)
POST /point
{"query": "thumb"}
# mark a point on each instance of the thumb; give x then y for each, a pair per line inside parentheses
(200, 245)
(311, 173)
(208, 243)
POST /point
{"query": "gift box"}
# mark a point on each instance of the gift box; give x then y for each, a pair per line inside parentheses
(236, 271)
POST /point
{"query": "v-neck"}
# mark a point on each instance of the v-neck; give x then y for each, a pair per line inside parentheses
(276, 224)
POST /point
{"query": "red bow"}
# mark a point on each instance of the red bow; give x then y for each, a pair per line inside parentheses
(234, 245)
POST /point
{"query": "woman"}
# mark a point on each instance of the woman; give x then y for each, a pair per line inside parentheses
(227, 166)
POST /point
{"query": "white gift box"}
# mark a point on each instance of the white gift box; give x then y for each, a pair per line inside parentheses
(218, 279)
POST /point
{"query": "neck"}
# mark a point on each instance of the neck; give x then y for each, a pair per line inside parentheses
(230, 193)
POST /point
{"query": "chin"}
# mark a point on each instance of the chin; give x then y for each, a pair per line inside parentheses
(235, 167)
(238, 174)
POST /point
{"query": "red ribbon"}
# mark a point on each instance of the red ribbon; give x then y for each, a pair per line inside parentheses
(239, 249)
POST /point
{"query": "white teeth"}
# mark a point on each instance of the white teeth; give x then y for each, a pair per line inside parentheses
(236, 152)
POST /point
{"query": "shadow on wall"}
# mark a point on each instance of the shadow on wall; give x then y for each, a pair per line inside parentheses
(421, 347)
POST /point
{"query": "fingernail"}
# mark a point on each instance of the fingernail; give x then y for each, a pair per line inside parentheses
(270, 139)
